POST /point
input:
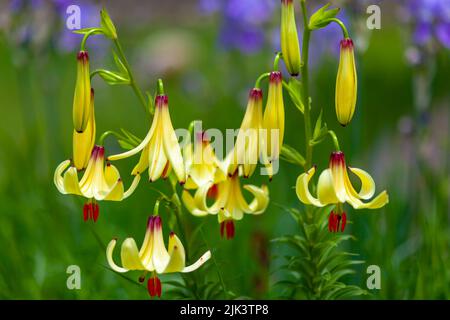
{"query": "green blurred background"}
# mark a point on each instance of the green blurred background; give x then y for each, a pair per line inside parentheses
(400, 134)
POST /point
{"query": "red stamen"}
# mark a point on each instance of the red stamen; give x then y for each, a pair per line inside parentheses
(158, 287)
(344, 221)
(151, 287)
(95, 211)
(85, 211)
(230, 229)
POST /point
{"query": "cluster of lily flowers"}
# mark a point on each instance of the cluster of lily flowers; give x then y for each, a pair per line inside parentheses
(211, 186)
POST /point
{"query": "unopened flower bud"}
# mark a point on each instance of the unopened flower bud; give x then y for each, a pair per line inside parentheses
(289, 39)
(346, 83)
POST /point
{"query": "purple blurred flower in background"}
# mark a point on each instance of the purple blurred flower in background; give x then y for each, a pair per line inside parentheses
(431, 20)
(42, 21)
(243, 21)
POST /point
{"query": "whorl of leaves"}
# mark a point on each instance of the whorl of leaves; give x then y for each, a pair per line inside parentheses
(317, 266)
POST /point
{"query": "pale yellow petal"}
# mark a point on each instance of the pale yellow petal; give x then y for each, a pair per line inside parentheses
(261, 201)
(367, 184)
(177, 255)
(325, 188)
(130, 255)
(58, 178)
(302, 189)
(71, 184)
(109, 257)
(171, 146)
(190, 205)
(205, 257)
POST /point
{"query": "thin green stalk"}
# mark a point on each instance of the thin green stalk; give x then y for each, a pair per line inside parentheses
(335, 140)
(305, 93)
(260, 78)
(342, 25)
(276, 61)
(133, 83)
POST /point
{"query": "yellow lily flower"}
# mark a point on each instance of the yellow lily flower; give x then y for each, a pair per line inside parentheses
(202, 165)
(82, 96)
(229, 202)
(273, 121)
(246, 149)
(346, 83)
(290, 46)
(99, 182)
(83, 142)
(160, 149)
(153, 255)
(334, 187)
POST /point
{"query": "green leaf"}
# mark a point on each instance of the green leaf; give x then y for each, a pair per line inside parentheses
(320, 131)
(107, 25)
(289, 154)
(120, 65)
(321, 17)
(94, 30)
(294, 90)
(112, 77)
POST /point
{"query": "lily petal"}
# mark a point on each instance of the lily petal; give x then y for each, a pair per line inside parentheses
(57, 177)
(367, 184)
(261, 200)
(109, 253)
(205, 257)
(177, 255)
(302, 190)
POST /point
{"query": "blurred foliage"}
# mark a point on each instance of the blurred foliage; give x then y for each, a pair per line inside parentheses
(42, 231)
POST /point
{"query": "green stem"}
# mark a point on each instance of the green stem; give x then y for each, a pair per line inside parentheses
(305, 95)
(160, 86)
(342, 25)
(86, 36)
(133, 83)
(104, 135)
(276, 61)
(260, 78)
(335, 140)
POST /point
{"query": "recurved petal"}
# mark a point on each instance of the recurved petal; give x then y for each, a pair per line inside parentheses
(261, 200)
(191, 206)
(380, 201)
(129, 153)
(132, 187)
(205, 257)
(58, 178)
(109, 253)
(367, 184)
(302, 189)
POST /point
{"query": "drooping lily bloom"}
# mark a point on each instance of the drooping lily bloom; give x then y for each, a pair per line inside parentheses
(335, 187)
(83, 142)
(82, 96)
(160, 149)
(202, 165)
(273, 121)
(346, 83)
(153, 255)
(246, 149)
(99, 182)
(229, 202)
(290, 46)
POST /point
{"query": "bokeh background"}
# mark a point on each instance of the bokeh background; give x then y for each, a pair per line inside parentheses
(209, 53)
